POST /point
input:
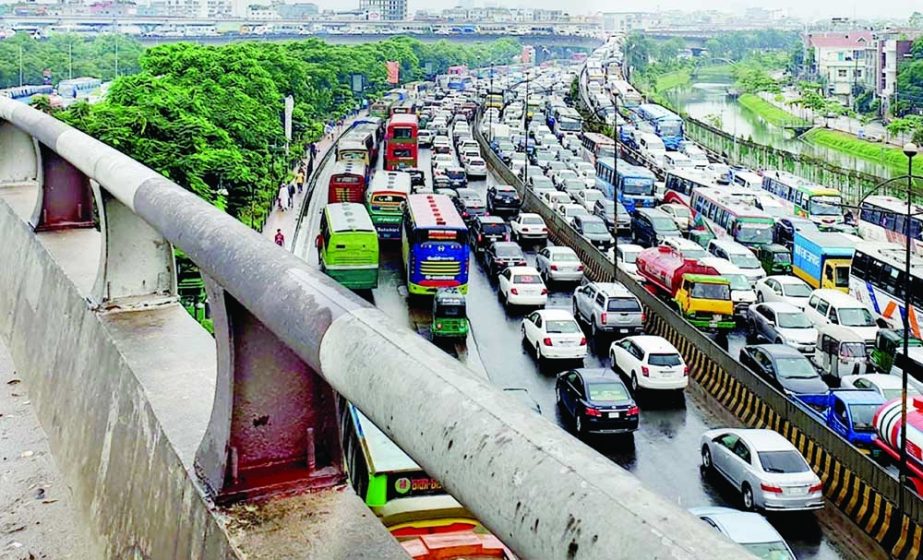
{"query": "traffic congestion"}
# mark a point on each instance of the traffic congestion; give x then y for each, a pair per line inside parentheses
(460, 262)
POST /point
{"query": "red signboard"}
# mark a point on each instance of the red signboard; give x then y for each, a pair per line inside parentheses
(394, 71)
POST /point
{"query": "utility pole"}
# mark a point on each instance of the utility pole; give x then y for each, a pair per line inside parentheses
(20, 65)
(70, 60)
(525, 130)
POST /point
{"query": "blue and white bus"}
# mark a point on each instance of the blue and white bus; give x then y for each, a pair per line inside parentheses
(26, 93)
(78, 87)
(634, 185)
(667, 124)
(434, 244)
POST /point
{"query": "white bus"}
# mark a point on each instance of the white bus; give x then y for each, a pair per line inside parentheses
(877, 279)
(883, 218)
(628, 96)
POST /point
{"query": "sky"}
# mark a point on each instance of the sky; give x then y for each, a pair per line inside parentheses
(799, 8)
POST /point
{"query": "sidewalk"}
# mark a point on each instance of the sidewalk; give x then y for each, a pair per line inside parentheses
(844, 124)
(287, 220)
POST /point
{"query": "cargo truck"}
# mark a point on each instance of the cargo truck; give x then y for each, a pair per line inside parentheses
(698, 291)
(823, 259)
(848, 412)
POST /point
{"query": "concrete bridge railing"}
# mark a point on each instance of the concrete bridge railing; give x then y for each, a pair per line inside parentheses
(158, 427)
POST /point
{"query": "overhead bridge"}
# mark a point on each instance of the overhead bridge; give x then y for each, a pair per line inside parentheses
(178, 444)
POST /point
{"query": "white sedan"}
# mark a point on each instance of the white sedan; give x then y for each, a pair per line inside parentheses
(559, 264)
(787, 289)
(476, 168)
(527, 227)
(554, 334)
(649, 362)
(888, 386)
(522, 285)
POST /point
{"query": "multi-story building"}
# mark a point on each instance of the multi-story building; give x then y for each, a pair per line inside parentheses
(392, 10)
(624, 22)
(892, 48)
(838, 60)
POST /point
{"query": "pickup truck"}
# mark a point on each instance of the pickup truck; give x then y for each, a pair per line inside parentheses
(848, 412)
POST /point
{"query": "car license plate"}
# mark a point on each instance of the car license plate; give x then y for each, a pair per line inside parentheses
(567, 343)
(614, 415)
(623, 330)
(716, 317)
(798, 490)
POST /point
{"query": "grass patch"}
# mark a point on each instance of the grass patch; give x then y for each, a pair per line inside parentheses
(875, 152)
(769, 112)
(714, 71)
(672, 80)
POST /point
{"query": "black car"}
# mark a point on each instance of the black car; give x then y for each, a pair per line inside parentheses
(469, 204)
(596, 401)
(501, 255)
(487, 229)
(594, 230)
(785, 228)
(784, 367)
(503, 200)
(417, 177)
(458, 179)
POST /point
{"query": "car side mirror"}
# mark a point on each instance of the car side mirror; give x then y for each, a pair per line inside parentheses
(318, 241)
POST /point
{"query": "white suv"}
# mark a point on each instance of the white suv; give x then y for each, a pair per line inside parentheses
(649, 362)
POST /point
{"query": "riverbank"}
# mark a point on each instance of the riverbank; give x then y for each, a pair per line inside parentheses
(672, 80)
(769, 112)
(875, 152)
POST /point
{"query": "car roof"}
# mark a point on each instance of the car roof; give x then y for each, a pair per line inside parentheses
(596, 375)
(864, 396)
(723, 266)
(764, 439)
(505, 188)
(549, 314)
(506, 244)
(560, 249)
(683, 243)
(490, 219)
(836, 297)
(786, 279)
(743, 527)
(730, 246)
(883, 380)
(651, 343)
(781, 306)
(779, 350)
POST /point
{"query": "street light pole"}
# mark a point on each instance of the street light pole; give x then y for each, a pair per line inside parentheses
(910, 150)
(20, 65)
(615, 163)
(490, 118)
(525, 130)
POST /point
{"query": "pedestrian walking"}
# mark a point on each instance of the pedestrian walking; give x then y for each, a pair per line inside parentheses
(313, 151)
(283, 197)
(291, 195)
(299, 180)
(280, 238)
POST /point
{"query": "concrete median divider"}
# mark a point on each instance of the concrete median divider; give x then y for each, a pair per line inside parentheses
(861, 488)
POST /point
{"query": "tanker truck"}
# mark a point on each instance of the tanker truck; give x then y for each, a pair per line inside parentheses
(888, 426)
(698, 291)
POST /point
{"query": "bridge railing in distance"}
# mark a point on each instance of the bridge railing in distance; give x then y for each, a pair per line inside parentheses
(287, 337)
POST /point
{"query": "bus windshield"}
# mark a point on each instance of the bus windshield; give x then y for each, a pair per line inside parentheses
(637, 186)
(825, 206)
(754, 233)
(569, 125)
(706, 290)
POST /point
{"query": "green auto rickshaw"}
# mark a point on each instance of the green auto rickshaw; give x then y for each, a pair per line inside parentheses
(450, 318)
(775, 258)
(701, 236)
(888, 343)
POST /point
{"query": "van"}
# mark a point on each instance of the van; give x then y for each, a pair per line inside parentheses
(738, 255)
(677, 160)
(826, 306)
(696, 155)
(742, 293)
(649, 227)
(649, 143)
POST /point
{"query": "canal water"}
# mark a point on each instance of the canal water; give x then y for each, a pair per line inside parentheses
(708, 102)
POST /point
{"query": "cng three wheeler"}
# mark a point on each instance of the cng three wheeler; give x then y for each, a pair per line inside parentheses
(450, 318)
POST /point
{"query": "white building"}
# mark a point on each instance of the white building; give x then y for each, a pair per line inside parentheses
(391, 10)
(839, 61)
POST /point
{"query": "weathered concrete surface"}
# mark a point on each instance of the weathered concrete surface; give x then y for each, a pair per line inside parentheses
(38, 515)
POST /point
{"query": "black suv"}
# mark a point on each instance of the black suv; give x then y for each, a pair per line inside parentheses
(487, 229)
(501, 255)
(503, 200)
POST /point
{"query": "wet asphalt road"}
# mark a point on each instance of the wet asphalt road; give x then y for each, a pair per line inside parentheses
(663, 453)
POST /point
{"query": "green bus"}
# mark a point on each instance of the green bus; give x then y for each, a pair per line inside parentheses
(348, 246)
(385, 199)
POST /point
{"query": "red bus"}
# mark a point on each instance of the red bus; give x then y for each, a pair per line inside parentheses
(348, 182)
(401, 143)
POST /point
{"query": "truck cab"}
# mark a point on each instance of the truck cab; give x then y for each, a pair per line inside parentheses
(823, 259)
(705, 301)
(848, 412)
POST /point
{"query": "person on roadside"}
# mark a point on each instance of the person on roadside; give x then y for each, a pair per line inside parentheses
(291, 194)
(299, 180)
(283, 197)
(280, 238)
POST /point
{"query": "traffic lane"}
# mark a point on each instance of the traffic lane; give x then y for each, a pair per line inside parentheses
(664, 453)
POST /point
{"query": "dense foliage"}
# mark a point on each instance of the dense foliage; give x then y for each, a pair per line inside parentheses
(210, 117)
(67, 55)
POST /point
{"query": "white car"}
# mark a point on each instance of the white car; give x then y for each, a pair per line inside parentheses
(558, 177)
(886, 385)
(649, 362)
(559, 264)
(469, 153)
(588, 198)
(788, 289)
(522, 285)
(476, 168)
(569, 210)
(764, 467)
(555, 198)
(680, 214)
(527, 226)
(626, 257)
(554, 334)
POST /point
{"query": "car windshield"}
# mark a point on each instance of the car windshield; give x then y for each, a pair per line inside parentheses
(563, 256)
(629, 257)
(770, 550)
(507, 250)
(664, 224)
(527, 279)
(754, 233)
(863, 415)
(782, 258)
(738, 281)
(795, 367)
(783, 462)
(532, 220)
(855, 317)
(665, 360)
(796, 290)
(793, 320)
(493, 229)
(623, 305)
(592, 226)
(562, 327)
(707, 290)
(693, 253)
(680, 211)
(607, 392)
(745, 260)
